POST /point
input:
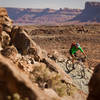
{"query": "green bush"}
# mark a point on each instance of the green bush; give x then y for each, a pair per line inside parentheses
(47, 79)
(16, 96)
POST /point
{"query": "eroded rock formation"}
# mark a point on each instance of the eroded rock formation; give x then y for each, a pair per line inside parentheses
(91, 13)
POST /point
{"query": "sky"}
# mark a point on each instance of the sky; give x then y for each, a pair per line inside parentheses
(54, 4)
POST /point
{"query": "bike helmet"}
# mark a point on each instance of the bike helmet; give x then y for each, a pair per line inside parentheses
(78, 45)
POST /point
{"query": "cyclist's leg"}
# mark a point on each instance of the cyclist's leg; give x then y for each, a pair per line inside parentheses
(73, 57)
(75, 54)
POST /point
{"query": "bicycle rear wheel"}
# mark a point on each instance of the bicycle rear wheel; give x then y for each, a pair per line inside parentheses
(69, 66)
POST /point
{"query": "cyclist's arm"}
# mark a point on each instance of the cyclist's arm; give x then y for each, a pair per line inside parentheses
(82, 51)
(84, 54)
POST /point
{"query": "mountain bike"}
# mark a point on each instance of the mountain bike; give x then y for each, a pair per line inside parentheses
(72, 66)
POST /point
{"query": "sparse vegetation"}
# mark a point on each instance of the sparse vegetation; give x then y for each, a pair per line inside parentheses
(46, 79)
(16, 96)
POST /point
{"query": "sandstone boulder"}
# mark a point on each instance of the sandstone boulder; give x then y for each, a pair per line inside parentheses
(0, 28)
(15, 82)
(0, 37)
(7, 24)
(5, 39)
(25, 45)
(94, 85)
(10, 52)
(5, 20)
(3, 12)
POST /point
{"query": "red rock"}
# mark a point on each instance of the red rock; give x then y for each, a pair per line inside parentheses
(13, 80)
(25, 45)
(94, 85)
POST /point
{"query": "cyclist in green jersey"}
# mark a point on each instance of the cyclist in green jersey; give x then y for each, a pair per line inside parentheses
(74, 48)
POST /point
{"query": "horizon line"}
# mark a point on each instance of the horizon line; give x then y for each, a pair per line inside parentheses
(41, 8)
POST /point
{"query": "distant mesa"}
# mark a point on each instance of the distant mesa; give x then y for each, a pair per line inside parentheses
(42, 16)
(48, 16)
(91, 13)
(92, 5)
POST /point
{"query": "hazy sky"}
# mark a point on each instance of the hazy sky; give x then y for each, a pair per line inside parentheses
(55, 4)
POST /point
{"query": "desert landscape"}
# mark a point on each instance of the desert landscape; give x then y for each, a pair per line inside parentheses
(34, 54)
(59, 39)
(63, 16)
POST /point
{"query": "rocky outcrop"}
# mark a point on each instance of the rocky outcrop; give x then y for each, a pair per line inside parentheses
(5, 20)
(5, 28)
(10, 52)
(91, 13)
(5, 39)
(3, 12)
(13, 81)
(25, 45)
(94, 85)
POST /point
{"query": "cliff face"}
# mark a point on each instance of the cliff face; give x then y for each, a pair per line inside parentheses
(42, 16)
(90, 13)
(92, 5)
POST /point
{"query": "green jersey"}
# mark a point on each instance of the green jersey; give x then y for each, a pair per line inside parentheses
(74, 49)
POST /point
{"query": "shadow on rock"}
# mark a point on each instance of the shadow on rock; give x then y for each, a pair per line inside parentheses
(94, 85)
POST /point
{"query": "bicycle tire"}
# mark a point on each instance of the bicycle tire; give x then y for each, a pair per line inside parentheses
(82, 69)
(69, 66)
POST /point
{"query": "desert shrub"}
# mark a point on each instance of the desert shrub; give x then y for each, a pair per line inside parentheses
(47, 79)
(40, 74)
(16, 96)
(58, 86)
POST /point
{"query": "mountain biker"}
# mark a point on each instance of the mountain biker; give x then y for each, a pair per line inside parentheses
(74, 48)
